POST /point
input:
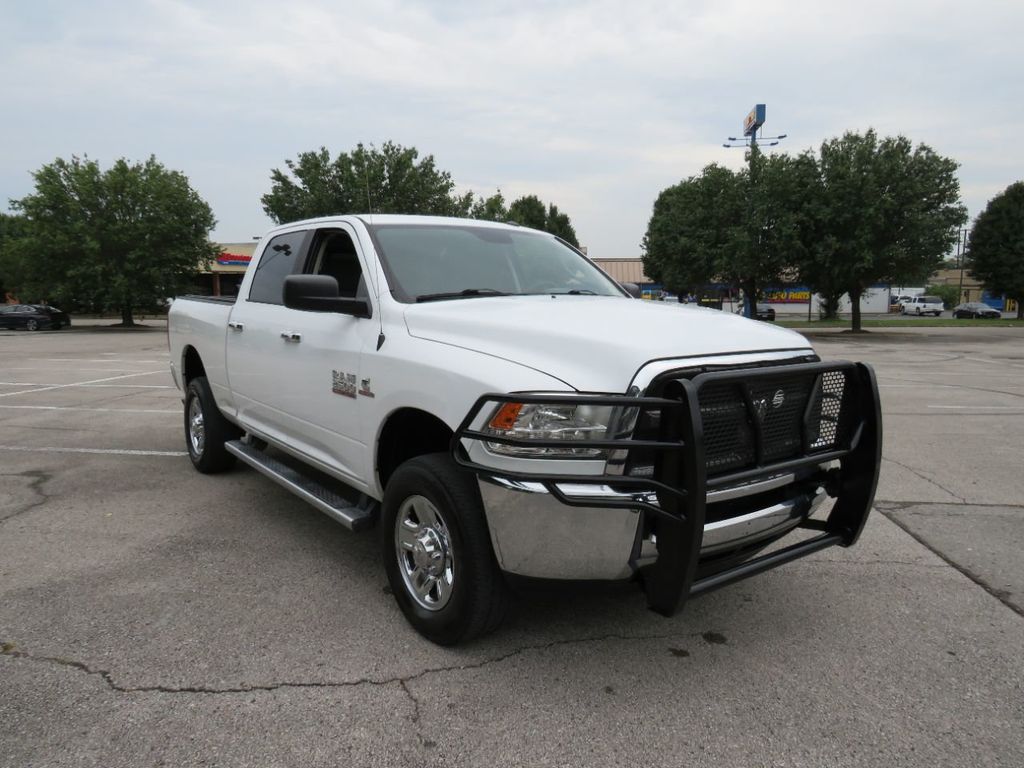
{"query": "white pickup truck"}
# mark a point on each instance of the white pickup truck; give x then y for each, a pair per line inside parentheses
(501, 407)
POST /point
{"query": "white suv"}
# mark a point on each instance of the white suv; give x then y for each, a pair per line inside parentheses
(923, 305)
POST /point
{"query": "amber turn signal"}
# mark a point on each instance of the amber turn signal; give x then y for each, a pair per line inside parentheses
(506, 415)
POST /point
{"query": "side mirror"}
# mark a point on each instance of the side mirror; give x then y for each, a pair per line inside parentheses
(632, 289)
(319, 293)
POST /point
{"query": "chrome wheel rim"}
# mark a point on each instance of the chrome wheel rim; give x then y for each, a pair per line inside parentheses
(196, 428)
(32, 325)
(424, 552)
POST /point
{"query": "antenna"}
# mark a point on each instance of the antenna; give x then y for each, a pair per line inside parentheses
(376, 261)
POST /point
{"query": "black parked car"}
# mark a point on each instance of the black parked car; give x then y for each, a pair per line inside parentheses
(32, 316)
(976, 309)
(761, 312)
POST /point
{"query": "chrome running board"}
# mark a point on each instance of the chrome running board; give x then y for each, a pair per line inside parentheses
(355, 517)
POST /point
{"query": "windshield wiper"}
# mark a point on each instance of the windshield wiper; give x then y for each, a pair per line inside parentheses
(575, 292)
(468, 293)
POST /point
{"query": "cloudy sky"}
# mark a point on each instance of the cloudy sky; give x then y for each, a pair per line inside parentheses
(595, 106)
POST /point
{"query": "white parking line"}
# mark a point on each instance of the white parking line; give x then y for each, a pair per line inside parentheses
(52, 368)
(79, 383)
(89, 386)
(918, 386)
(83, 408)
(100, 360)
(980, 407)
(111, 451)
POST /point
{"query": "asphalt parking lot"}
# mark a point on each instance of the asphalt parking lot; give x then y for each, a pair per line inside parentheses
(153, 616)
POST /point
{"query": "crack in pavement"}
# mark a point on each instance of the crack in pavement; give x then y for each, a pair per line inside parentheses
(925, 478)
(1001, 595)
(899, 506)
(39, 478)
(10, 649)
(879, 561)
(415, 717)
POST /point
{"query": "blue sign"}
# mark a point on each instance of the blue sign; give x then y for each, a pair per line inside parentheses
(754, 120)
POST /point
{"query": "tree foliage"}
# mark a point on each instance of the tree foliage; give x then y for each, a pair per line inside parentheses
(392, 179)
(115, 239)
(866, 210)
(740, 228)
(491, 208)
(11, 272)
(996, 255)
(888, 212)
(695, 227)
(950, 294)
(530, 211)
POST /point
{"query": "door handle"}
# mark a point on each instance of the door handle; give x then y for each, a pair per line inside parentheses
(236, 326)
(291, 337)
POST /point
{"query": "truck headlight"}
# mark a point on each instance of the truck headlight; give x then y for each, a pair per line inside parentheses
(549, 422)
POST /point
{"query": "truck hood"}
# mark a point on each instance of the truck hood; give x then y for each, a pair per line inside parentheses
(592, 343)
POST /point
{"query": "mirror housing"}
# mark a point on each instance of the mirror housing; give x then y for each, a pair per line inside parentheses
(632, 289)
(319, 293)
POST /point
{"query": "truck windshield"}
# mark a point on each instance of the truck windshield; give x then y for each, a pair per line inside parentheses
(431, 262)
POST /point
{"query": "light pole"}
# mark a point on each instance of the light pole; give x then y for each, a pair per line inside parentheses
(963, 236)
(751, 125)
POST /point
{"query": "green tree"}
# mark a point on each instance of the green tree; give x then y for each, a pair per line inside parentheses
(996, 255)
(741, 228)
(392, 179)
(696, 224)
(115, 239)
(11, 272)
(888, 212)
(529, 211)
(950, 294)
(491, 208)
(559, 224)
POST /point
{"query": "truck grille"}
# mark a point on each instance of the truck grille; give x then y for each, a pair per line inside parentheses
(771, 419)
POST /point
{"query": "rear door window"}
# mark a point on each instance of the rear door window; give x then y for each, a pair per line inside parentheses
(283, 256)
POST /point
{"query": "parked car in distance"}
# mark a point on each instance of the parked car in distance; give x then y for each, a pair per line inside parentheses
(33, 317)
(761, 312)
(923, 305)
(896, 302)
(976, 309)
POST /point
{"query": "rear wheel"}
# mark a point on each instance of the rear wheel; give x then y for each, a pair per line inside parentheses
(437, 551)
(32, 324)
(206, 429)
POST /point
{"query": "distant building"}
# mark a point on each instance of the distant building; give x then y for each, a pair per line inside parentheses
(625, 271)
(224, 275)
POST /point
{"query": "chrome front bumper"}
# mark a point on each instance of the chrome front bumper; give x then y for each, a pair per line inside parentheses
(536, 535)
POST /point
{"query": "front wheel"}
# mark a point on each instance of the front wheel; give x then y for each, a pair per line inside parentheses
(437, 551)
(206, 429)
(32, 325)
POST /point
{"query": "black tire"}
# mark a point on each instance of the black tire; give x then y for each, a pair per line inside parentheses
(205, 439)
(32, 324)
(475, 599)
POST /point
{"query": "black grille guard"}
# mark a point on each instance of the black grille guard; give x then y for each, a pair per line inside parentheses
(676, 496)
